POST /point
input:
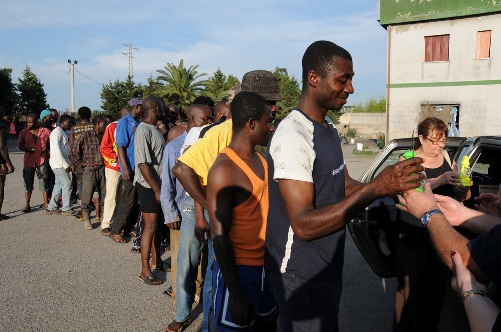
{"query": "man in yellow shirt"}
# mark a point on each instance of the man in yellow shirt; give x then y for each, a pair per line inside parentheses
(193, 168)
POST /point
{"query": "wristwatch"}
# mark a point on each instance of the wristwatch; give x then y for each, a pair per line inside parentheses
(427, 215)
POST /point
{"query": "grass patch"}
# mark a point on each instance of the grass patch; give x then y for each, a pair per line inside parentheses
(365, 152)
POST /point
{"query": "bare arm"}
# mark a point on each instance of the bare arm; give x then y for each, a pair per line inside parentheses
(443, 236)
(459, 215)
(221, 193)
(350, 185)
(191, 183)
(309, 223)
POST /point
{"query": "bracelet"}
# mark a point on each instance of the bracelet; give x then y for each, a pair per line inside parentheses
(161, 126)
(473, 292)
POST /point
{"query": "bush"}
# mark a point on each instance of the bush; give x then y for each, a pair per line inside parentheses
(372, 106)
(351, 132)
(365, 152)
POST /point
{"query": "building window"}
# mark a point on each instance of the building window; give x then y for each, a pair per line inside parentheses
(484, 44)
(436, 48)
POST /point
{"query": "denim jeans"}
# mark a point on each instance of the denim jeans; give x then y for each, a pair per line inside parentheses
(188, 259)
(62, 187)
(207, 291)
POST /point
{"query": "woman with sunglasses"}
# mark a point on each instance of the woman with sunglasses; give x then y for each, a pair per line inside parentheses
(421, 276)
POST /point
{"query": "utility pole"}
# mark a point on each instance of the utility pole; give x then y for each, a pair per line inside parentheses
(72, 79)
(129, 54)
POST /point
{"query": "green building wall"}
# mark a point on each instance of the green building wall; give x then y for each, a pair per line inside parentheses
(406, 11)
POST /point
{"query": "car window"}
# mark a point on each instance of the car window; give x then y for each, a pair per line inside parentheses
(394, 156)
(392, 159)
(488, 165)
(486, 172)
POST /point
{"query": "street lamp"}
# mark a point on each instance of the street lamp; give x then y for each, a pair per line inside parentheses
(72, 79)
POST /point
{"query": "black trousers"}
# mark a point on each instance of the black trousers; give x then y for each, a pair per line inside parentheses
(422, 281)
(127, 209)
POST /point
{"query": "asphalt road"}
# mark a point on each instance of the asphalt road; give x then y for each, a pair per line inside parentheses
(56, 276)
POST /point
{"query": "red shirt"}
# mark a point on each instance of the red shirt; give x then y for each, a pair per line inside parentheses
(109, 147)
(40, 143)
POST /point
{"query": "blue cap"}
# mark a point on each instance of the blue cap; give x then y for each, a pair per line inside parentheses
(45, 113)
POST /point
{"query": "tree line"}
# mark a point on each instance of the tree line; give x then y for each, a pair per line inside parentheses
(177, 84)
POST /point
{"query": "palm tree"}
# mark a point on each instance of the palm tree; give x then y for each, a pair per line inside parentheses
(182, 84)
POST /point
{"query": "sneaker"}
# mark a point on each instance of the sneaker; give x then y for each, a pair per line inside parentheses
(27, 209)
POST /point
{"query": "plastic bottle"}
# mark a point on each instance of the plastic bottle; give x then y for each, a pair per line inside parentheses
(465, 172)
(411, 154)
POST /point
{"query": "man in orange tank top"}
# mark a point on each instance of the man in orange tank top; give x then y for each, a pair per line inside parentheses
(238, 209)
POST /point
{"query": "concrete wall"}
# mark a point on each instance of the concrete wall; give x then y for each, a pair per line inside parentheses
(366, 124)
(473, 84)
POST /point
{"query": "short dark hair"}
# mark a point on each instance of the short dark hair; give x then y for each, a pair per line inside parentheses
(204, 100)
(65, 117)
(245, 106)
(318, 57)
(84, 113)
(98, 119)
(35, 116)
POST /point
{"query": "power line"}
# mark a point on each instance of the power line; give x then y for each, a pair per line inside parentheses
(39, 14)
(87, 77)
(33, 26)
(67, 26)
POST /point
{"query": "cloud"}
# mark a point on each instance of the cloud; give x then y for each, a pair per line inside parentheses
(233, 37)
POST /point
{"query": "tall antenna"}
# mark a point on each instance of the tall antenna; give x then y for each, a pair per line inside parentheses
(129, 54)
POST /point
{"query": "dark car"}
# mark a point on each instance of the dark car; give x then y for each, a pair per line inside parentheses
(375, 230)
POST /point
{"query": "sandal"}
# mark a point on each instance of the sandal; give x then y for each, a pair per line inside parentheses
(168, 291)
(136, 249)
(151, 280)
(106, 231)
(27, 209)
(117, 238)
(178, 326)
(80, 217)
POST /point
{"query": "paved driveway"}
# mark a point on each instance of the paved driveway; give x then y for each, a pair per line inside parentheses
(55, 276)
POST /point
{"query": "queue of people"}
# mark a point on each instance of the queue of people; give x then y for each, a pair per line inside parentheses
(259, 238)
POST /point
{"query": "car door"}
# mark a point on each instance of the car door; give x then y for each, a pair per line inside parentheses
(375, 230)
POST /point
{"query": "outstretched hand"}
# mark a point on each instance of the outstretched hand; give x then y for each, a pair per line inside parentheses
(400, 177)
(489, 204)
(453, 210)
(417, 203)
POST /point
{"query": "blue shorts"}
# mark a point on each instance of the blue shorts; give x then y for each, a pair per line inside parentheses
(256, 287)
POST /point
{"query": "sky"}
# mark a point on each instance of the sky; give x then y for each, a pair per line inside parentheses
(234, 36)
